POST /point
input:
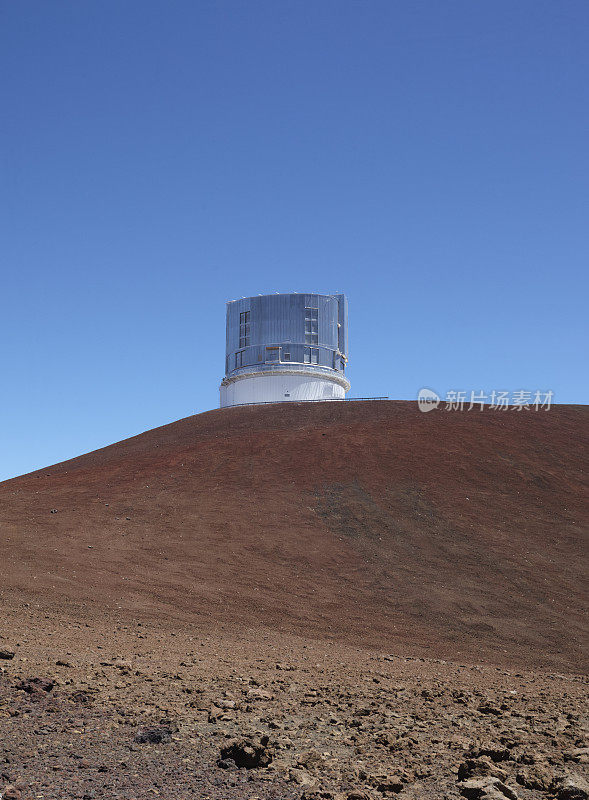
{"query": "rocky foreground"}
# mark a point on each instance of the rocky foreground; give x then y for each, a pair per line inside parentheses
(138, 709)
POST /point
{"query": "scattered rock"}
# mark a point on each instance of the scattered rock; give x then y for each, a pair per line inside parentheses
(226, 763)
(492, 788)
(227, 704)
(479, 767)
(309, 759)
(248, 754)
(496, 754)
(537, 777)
(391, 783)
(157, 735)
(489, 708)
(6, 654)
(80, 697)
(580, 755)
(302, 778)
(259, 694)
(10, 793)
(36, 685)
(571, 787)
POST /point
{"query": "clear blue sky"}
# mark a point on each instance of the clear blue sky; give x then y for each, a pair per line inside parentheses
(429, 159)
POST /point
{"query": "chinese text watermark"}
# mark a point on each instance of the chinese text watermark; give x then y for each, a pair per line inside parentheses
(520, 400)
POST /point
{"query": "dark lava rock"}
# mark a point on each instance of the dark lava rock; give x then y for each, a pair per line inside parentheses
(479, 767)
(573, 787)
(226, 763)
(537, 777)
(489, 708)
(11, 793)
(36, 685)
(248, 754)
(80, 697)
(392, 783)
(6, 654)
(496, 754)
(153, 735)
(479, 788)
(578, 754)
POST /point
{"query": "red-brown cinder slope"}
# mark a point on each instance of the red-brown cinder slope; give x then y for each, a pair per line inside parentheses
(447, 534)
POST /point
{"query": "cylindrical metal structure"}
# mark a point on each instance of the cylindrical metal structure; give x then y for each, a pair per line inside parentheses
(284, 347)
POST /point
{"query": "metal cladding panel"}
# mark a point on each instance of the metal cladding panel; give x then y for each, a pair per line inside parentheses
(277, 332)
(328, 307)
(277, 318)
(342, 323)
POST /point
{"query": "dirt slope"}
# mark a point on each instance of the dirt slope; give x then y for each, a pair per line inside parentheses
(452, 535)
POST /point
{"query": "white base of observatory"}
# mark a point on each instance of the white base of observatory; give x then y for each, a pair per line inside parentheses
(279, 387)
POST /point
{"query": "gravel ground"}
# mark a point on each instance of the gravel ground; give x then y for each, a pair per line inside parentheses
(130, 709)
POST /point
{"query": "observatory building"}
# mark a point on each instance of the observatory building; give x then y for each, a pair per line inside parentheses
(284, 347)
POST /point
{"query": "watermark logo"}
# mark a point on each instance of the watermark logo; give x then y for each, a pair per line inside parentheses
(427, 400)
(520, 400)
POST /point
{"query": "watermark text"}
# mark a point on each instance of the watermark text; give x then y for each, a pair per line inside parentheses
(519, 400)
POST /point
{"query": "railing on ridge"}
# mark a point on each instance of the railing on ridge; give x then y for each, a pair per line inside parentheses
(313, 400)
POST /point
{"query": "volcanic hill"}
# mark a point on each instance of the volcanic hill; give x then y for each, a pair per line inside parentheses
(447, 534)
